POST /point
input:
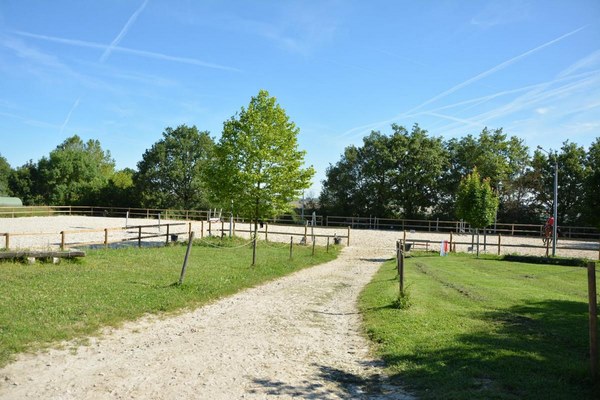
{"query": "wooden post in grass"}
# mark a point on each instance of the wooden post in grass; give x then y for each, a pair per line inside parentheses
(62, 240)
(254, 251)
(6, 240)
(348, 236)
(547, 247)
(291, 246)
(266, 231)
(451, 240)
(499, 240)
(167, 239)
(400, 265)
(593, 318)
(313, 246)
(185, 260)
(327, 244)
(140, 236)
(105, 237)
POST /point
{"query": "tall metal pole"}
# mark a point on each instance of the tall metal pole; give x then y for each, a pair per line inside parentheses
(555, 205)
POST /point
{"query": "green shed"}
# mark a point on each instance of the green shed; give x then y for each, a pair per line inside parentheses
(10, 202)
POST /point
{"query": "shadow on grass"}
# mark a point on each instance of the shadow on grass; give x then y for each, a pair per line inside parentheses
(332, 382)
(537, 350)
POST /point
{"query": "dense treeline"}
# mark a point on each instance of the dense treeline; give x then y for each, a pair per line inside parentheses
(412, 175)
(256, 165)
(404, 174)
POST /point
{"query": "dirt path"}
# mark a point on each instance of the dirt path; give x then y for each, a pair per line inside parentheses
(297, 337)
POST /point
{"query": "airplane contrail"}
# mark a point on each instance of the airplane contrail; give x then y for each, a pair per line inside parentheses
(73, 107)
(142, 53)
(123, 32)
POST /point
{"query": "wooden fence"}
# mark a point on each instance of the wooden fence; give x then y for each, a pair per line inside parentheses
(425, 225)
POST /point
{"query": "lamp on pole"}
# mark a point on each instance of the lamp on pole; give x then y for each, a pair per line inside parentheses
(555, 208)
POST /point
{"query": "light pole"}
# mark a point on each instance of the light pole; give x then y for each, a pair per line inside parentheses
(555, 211)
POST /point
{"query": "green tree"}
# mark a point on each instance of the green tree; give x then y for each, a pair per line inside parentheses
(476, 202)
(342, 193)
(389, 176)
(170, 174)
(592, 185)
(5, 172)
(25, 182)
(257, 163)
(418, 165)
(119, 191)
(572, 176)
(73, 171)
(504, 160)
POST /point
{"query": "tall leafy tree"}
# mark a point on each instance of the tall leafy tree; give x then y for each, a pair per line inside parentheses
(257, 164)
(5, 172)
(74, 170)
(418, 166)
(504, 160)
(389, 176)
(170, 174)
(342, 193)
(476, 202)
(592, 185)
(572, 175)
(26, 183)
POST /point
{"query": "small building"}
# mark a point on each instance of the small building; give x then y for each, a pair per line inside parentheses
(10, 202)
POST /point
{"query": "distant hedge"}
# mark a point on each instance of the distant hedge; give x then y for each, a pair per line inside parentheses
(571, 262)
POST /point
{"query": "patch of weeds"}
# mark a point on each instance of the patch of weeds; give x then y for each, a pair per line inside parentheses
(403, 301)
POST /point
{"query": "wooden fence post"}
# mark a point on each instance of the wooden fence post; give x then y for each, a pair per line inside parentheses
(451, 239)
(185, 260)
(291, 246)
(7, 240)
(140, 236)
(593, 319)
(202, 229)
(266, 231)
(348, 236)
(327, 244)
(62, 240)
(305, 231)
(313, 246)
(499, 240)
(167, 238)
(105, 237)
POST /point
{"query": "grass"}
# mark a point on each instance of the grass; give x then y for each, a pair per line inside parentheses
(42, 304)
(483, 329)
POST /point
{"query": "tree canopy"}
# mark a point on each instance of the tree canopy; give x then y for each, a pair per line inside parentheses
(476, 202)
(257, 164)
(170, 174)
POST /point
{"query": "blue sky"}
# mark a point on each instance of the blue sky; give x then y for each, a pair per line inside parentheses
(121, 71)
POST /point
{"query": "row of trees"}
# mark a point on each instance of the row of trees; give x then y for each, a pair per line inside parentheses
(412, 174)
(256, 165)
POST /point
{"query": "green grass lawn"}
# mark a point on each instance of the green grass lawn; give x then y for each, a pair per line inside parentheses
(483, 329)
(41, 304)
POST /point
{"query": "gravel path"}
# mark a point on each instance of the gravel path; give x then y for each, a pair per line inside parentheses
(297, 337)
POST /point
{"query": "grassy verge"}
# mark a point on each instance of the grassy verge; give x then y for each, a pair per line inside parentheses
(483, 329)
(41, 304)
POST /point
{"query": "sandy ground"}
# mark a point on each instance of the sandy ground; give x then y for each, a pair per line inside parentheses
(297, 337)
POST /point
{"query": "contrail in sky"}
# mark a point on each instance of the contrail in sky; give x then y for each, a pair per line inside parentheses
(474, 79)
(75, 105)
(142, 53)
(123, 32)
